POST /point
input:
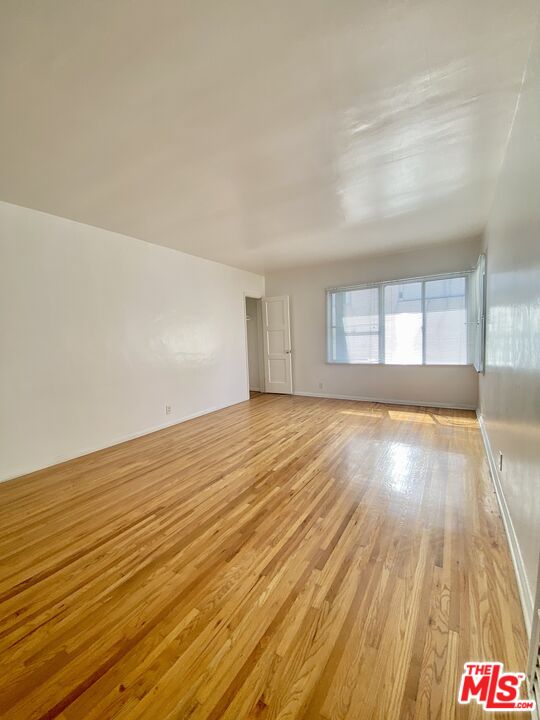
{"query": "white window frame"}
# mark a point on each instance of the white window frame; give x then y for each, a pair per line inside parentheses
(381, 286)
(477, 317)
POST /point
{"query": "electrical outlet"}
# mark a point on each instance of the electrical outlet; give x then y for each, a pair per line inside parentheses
(500, 461)
(168, 409)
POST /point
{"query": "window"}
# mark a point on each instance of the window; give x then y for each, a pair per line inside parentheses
(354, 326)
(446, 322)
(422, 321)
(403, 323)
(477, 314)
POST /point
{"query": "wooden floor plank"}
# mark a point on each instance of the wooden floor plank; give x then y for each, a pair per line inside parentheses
(286, 557)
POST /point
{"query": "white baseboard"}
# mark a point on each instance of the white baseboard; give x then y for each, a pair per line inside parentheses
(25, 470)
(517, 560)
(386, 401)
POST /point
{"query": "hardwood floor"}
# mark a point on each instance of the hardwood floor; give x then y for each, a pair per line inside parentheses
(287, 557)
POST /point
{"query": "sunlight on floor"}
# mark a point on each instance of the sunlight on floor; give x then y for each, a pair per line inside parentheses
(363, 413)
(406, 416)
(456, 421)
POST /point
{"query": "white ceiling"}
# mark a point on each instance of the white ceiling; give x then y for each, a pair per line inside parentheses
(261, 134)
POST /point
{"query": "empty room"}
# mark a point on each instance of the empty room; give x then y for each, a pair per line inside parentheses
(269, 359)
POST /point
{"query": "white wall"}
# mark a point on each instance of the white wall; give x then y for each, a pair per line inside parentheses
(430, 385)
(510, 390)
(99, 332)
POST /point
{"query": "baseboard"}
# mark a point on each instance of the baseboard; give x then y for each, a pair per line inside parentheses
(386, 401)
(517, 560)
(116, 441)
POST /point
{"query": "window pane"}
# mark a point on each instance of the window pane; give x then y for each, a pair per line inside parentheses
(446, 317)
(403, 323)
(354, 317)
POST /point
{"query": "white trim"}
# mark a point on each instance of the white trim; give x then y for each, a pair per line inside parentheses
(116, 441)
(424, 321)
(515, 552)
(258, 298)
(387, 401)
(396, 281)
(246, 351)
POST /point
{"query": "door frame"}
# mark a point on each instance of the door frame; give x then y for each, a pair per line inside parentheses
(260, 342)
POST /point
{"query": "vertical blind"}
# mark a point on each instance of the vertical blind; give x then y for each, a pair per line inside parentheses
(427, 321)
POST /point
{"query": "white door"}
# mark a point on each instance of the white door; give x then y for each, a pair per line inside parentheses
(277, 345)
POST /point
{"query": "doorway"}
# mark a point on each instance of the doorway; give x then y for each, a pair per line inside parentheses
(253, 309)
